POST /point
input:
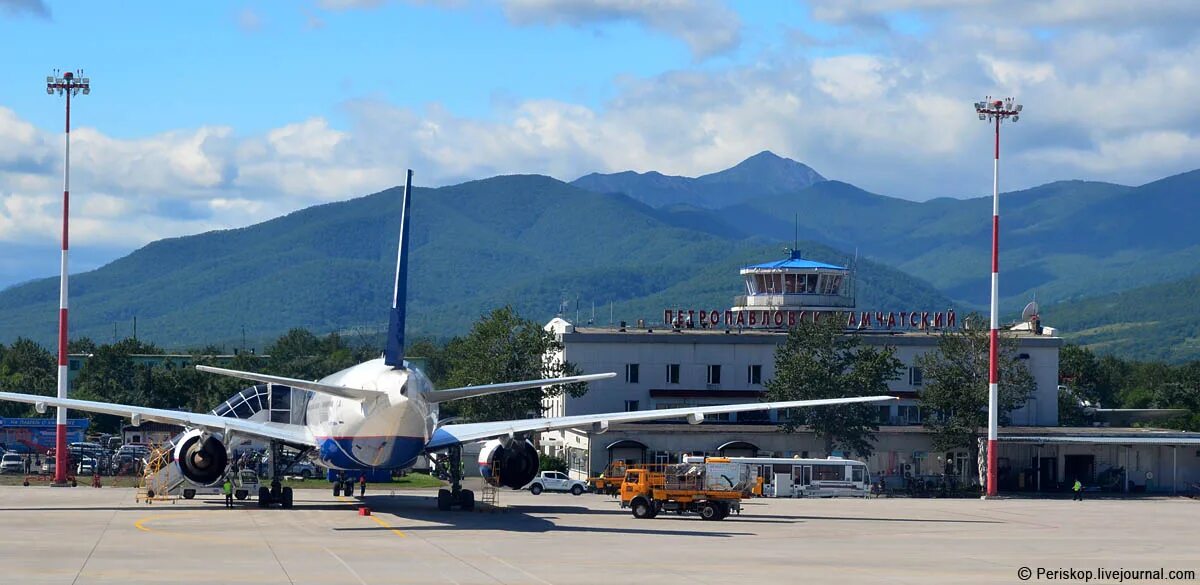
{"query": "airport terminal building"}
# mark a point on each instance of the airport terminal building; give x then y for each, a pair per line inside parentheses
(700, 356)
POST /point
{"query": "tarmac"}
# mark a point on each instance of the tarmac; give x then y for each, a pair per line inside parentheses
(86, 535)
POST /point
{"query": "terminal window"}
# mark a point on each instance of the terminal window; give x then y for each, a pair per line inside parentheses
(631, 406)
(672, 373)
(631, 373)
(915, 376)
(754, 374)
(714, 374)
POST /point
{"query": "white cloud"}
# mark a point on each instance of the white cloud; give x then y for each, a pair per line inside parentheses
(18, 7)
(707, 26)
(895, 119)
(249, 21)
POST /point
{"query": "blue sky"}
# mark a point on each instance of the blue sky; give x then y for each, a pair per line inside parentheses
(221, 114)
(256, 66)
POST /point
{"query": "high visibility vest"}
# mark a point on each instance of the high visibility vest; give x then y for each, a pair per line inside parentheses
(227, 488)
(1078, 486)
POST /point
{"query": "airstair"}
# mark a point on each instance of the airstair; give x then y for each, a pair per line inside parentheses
(160, 477)
(163, 479)
(490, 493)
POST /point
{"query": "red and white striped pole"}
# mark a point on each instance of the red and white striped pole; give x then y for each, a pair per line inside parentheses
(68, 84)
(995, 111)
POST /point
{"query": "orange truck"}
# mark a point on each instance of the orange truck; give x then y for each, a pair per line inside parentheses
(713, 489)
(609, 482)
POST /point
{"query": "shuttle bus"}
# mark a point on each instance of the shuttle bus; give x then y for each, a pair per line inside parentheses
(833, 477)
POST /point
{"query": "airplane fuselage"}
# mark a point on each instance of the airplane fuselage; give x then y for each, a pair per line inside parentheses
(387, 432)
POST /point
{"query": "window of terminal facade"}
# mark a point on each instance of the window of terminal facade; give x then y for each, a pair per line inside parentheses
(714, 374)
(915, 376)
(631, 373)
(672, 373)
(754, 374)
(577, 459)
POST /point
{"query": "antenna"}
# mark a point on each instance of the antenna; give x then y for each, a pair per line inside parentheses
(796, 236)
(1031, 311)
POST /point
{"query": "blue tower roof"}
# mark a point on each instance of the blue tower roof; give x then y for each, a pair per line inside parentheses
(795, 261)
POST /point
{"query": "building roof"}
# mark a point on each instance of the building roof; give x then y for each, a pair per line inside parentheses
(659, 333)
(794, 263)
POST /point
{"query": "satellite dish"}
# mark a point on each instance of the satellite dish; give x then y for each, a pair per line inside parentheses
(1031, 311)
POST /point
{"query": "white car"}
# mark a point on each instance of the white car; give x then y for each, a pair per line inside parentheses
(12, 463)
(557, 482)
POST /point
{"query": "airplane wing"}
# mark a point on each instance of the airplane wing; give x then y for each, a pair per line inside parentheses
(283, 432)
(448, 435)
(471, 391)
(340, 391)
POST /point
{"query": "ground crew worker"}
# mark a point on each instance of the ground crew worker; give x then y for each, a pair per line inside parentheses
(362, 485)
(1078, 489)
(227, 489)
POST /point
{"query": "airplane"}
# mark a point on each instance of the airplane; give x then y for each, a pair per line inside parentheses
(381, 415)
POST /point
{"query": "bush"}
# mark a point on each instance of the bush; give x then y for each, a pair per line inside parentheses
(549, 463)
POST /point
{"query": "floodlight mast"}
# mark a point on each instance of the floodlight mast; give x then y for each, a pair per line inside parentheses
(995, 111)
(66, 84)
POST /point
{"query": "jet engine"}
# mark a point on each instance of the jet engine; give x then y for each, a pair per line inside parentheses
(201, 457)
(510, 463)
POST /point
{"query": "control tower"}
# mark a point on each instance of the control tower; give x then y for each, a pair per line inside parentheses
(796, 284)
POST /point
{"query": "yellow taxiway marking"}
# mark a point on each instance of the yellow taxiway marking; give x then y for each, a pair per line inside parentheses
(390, 529)
(395, 531)
(139, 524)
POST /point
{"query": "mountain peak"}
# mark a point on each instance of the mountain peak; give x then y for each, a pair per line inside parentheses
(767, 169)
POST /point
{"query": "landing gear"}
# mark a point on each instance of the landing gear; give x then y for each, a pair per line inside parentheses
(276, 493)
(456, 495)
(337, 489)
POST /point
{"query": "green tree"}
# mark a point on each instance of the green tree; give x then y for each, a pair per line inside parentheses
(27, 368)
(955, 393)
(819, 360)
(503, 347)
(434, 355)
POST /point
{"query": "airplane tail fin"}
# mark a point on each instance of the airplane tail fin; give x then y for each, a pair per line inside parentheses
(394, 353)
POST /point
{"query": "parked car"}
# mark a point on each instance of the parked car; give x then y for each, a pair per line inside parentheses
(556, 481)
(86, 466)
(129, 457)
(49, 465)
(12, 463)
(306, 469)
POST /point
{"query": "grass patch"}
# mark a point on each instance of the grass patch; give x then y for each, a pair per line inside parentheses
(411, 481)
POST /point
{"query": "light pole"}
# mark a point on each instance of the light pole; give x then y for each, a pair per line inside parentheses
(68, 84)
(993, 110)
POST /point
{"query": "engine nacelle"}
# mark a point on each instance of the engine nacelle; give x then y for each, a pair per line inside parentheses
(509, 463)
(201, 457)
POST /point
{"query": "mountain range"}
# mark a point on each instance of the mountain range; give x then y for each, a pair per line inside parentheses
(642, 242)
(529, 241)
